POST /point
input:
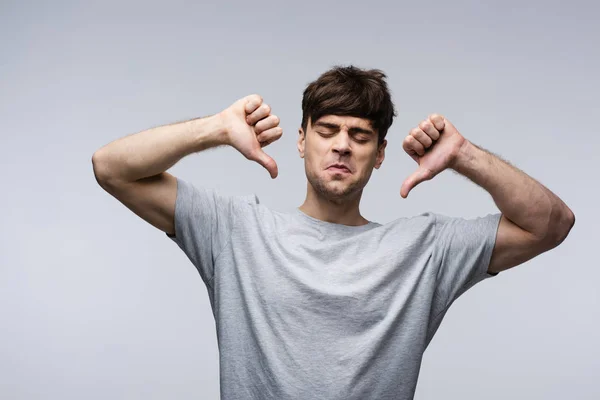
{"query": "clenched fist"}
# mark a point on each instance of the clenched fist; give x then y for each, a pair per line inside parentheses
(249, 127)
(434, 145)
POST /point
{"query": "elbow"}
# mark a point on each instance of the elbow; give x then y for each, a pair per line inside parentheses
(99, 167)
(569, 222)
(561, 226)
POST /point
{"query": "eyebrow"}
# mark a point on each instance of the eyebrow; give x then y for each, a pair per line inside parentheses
(353, 129)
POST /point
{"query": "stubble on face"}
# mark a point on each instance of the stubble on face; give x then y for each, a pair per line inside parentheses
(337, 188)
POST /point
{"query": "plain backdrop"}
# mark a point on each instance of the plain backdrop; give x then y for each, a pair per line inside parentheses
(95, 303)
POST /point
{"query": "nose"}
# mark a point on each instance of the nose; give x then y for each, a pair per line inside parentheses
(341, 143)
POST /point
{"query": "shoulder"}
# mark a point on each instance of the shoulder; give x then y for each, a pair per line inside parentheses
(410, 229)
(423, 221)
(451, 224)
(438, 226)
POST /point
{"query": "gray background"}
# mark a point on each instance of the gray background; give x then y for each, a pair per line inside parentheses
(95, 303)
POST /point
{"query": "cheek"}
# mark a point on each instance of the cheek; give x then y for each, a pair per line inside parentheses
(366, 164)
(313, 158)
(311, 164)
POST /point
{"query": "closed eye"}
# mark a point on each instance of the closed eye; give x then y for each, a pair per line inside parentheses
(361, 138)
(326, 134)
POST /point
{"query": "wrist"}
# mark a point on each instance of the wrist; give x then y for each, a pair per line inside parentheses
(208, 131)
(465, 157)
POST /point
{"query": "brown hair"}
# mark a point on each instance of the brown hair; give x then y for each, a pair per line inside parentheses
(350, 91)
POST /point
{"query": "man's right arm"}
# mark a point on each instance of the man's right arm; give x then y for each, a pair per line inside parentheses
(133, 168)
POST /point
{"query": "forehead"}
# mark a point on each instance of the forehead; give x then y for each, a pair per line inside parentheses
(348, 121)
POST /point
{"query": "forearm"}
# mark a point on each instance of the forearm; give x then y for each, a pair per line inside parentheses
(155, 150)
(520, 198)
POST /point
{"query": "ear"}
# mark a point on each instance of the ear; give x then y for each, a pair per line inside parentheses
(301, 138)
(380, 154)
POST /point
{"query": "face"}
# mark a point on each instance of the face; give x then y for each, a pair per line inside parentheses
(349, 142)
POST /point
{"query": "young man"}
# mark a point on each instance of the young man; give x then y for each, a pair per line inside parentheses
(321, 303)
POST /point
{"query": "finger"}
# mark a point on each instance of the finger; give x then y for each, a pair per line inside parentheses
(427, 127)
(252, 103)
(415, 157)
(420, 175)
(266, 123)
(438, 121)
(269, 136)
(267, 162)
(266, 143)
(261, 112)
(412, 146)
(422, 137)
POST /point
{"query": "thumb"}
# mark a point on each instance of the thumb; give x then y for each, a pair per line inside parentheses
(267, 162)
(420, 175)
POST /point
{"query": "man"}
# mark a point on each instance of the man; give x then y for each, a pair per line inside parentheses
(321, 303)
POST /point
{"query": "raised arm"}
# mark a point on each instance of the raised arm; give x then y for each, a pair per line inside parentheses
(534, 219)
(133, 168)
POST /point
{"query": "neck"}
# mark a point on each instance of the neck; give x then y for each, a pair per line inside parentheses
(345, 212)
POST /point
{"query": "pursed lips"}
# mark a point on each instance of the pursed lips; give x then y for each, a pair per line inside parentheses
(339, 168)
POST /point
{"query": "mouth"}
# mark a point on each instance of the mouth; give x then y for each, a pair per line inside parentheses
(339, 168)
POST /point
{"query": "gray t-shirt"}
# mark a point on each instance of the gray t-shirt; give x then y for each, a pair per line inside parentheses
(307, 309)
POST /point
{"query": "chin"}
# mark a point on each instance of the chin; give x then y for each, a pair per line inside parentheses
(334, 190)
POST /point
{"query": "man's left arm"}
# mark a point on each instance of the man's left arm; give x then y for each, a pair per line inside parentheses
(534, 219)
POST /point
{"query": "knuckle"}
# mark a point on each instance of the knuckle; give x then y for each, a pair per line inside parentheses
(269, 163)
(425, 125)
(419, 134)
(255, 99)
(438, 120)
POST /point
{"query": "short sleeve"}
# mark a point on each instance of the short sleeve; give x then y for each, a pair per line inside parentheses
(462, 252)
(204, 220)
